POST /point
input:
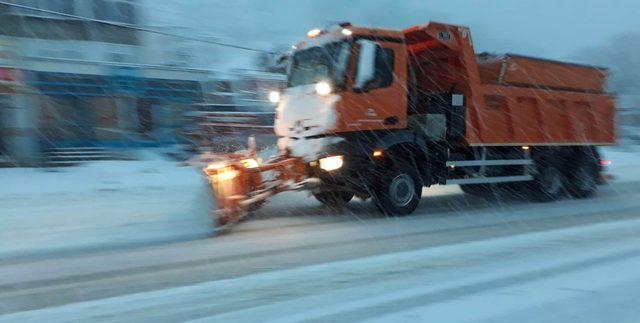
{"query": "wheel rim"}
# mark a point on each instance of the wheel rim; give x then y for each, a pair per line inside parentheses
(584, 180)
(551, 181)
(401, 190)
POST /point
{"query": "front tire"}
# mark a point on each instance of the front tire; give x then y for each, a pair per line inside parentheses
(399, 191)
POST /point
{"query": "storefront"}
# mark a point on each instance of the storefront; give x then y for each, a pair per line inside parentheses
(3, 122)
(112, 110)
(10, 85)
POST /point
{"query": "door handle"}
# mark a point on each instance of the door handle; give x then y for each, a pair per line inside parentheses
(390, 120)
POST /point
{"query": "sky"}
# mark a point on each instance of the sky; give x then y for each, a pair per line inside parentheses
(552, 29)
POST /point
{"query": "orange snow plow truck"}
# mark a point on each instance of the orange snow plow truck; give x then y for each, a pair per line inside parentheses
(380, 114)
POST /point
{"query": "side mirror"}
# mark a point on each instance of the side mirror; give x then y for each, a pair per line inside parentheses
(366, 65)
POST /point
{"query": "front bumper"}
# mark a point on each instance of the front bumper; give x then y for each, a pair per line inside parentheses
(356, 174)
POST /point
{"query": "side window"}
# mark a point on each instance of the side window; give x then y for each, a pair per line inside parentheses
(375, 67)
(384, 68)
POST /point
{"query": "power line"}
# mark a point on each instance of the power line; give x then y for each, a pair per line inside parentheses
(129, 26)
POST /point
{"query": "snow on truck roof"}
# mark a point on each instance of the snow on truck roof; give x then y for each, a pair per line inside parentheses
(320, 37)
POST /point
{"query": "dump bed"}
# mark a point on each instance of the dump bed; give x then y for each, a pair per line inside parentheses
(526, 71)
(535, 101)
(512, 100)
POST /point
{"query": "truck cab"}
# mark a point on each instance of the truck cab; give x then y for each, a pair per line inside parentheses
(342, 81)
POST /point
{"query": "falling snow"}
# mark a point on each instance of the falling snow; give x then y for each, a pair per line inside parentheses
(110, 110)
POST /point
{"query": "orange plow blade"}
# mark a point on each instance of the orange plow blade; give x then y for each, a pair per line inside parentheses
(241, 184)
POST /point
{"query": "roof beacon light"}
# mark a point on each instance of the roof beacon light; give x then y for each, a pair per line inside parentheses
(347, 32)
(313, 33)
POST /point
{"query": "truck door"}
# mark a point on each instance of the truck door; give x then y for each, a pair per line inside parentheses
(378, 98)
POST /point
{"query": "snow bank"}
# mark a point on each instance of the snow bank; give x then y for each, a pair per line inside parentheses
(101, 204)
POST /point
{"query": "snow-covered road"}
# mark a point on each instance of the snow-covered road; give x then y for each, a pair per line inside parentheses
(585, 271)
(459, 258)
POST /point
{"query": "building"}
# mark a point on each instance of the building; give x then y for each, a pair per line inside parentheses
(67, 82)
(192, 51)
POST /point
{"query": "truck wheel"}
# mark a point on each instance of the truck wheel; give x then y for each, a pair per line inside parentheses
(582, 181)
(334, 200)
(399, 191)
(548, 184)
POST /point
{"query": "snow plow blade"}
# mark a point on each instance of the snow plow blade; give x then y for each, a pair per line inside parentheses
(241, 184)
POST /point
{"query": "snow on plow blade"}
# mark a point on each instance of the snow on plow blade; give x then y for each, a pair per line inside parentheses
(241, 184)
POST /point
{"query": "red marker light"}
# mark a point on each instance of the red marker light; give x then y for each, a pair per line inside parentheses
(605, 163)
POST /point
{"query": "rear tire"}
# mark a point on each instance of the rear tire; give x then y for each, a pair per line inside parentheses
(334, 200)
(548, 185)
(582, 180)
(399, 191)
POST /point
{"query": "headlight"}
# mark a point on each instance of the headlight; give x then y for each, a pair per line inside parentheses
(226, 174)
(274, 96)
(221, 172)
(323, 88)
(331, 163)
(212, 168)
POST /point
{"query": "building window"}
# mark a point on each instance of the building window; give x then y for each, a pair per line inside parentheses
(117, 57)
(118, 11)
(63, 6)
(27, 3)
(72, 54)
(183, 56)
(125, 12)
(101, 9)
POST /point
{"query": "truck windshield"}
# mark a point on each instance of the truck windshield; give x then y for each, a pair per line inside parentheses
(320, 63)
